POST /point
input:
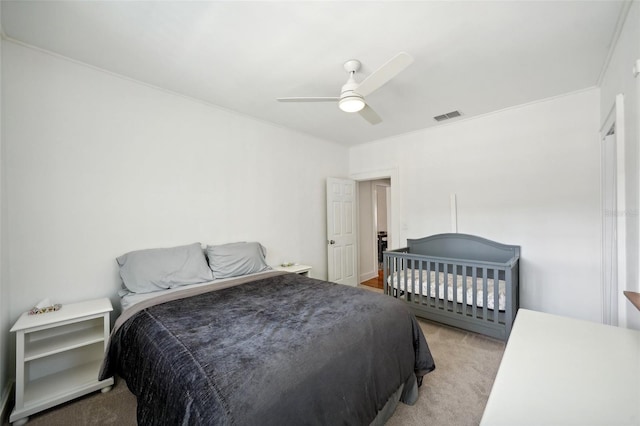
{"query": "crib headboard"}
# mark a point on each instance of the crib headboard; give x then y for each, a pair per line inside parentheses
(463, 246)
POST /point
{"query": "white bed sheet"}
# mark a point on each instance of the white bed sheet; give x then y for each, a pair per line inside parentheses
(434, 285)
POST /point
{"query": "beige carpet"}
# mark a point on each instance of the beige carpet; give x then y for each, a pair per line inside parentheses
(454, 394)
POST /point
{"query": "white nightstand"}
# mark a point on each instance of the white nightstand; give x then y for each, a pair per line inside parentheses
(58, 356)
(296, 269)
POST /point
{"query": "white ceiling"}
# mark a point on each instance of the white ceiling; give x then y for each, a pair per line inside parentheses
(472, 56)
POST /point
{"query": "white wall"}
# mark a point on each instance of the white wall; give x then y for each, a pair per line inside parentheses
(527, 176)
(4, 291)
(619, 79)
(98, 165)
(367, 268)
(381, 208)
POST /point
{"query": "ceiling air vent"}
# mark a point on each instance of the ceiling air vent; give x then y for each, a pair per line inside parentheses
(447, 116)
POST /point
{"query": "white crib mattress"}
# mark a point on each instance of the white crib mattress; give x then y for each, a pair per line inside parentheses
(435, 288)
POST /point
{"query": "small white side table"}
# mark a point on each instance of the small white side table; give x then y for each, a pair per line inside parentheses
(296, 269)
(58, 356)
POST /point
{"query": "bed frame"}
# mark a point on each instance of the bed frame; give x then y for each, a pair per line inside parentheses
(462, 256)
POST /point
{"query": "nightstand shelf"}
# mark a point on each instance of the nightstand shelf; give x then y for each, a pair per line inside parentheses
(58, 356)
(63, 342)
(54, 389)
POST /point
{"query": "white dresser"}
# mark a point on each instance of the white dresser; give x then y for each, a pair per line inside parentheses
(561, 371)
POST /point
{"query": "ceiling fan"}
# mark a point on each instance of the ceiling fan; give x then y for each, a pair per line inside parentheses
(352, 95)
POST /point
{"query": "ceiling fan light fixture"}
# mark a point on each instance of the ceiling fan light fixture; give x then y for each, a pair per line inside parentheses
(351, 103)
(352, 94)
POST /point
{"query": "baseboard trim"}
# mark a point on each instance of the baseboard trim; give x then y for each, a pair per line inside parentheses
(368, 276)
(4, 402)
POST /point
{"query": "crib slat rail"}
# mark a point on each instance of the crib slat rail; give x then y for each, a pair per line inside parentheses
(479, 293)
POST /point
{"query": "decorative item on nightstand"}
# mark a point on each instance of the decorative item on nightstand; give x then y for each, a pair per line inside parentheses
(294, 267)
(59, 354)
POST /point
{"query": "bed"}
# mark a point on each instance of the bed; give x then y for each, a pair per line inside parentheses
(261, 346)
(457, 279)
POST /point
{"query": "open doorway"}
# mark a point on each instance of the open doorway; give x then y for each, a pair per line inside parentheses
(374, 214)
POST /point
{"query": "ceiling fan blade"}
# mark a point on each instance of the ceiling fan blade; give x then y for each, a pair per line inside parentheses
(386, 72)
(308, 99)
(370, 115)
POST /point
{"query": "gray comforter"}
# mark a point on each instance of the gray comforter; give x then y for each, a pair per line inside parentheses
(281, 350)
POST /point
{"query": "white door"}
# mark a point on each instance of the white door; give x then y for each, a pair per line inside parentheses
(341, 231)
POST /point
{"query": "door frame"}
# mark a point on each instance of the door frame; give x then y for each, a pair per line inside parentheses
(615, 118)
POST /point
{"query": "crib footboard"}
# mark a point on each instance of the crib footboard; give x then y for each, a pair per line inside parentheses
(474, 295)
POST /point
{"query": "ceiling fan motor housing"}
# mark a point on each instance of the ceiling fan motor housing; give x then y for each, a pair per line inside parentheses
(351, 101)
